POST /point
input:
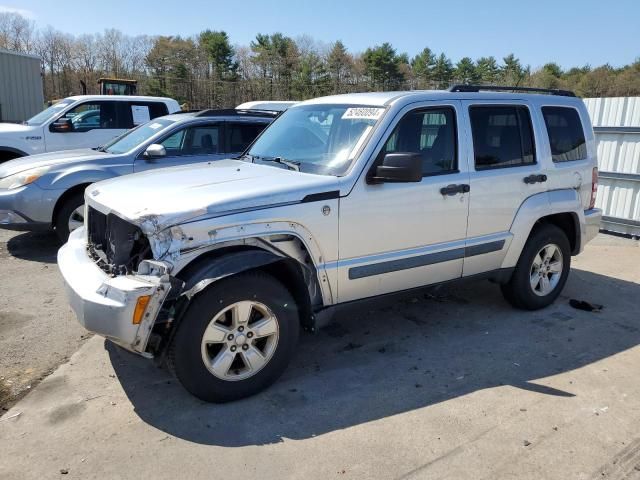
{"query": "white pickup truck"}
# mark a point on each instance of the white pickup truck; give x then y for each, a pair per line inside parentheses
(84, 121)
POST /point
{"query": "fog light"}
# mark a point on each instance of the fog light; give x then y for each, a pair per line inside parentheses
(141, 306)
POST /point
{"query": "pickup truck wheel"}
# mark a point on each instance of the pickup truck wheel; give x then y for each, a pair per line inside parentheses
(236, 338)
(70, 216)
(542, 269)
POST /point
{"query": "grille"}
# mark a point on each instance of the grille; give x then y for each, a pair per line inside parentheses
(116, 245)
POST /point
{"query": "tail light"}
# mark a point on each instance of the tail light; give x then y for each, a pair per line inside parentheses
(594, 187)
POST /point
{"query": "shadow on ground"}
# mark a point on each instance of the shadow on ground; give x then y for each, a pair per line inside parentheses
(394, 359)
(35, 246)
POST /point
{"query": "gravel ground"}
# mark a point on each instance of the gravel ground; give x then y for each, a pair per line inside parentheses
(38, 331)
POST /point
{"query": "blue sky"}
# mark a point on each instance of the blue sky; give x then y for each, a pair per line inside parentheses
(573, 33)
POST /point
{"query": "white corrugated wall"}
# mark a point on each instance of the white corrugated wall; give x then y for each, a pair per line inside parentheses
(616, 123)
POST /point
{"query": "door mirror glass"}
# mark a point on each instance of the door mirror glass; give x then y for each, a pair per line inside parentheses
(399, 167)
(62, 125)
(155, 151)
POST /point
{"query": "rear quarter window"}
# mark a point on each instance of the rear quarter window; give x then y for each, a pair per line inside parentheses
(136, 113)
(566, 135)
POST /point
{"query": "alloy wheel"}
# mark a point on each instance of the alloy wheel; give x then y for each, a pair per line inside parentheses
(240, 340)
(76, 219)
(546, 270)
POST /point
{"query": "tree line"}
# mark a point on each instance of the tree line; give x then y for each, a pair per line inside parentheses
(206, 70)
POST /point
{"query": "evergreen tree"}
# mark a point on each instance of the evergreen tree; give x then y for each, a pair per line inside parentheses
(382, 65)
(442, 71)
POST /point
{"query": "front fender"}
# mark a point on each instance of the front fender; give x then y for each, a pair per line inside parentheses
(179, 246)
(72, 177)
(24, 143)
(533, 209)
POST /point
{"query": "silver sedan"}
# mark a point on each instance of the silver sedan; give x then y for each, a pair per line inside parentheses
(46, 191)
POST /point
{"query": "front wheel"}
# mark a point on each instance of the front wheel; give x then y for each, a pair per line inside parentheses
(70, 216)
(236, 338)
(541, 271)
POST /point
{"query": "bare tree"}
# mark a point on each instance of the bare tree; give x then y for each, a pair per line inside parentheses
(16, 33)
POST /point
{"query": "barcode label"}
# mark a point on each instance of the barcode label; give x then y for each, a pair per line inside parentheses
(363, 113)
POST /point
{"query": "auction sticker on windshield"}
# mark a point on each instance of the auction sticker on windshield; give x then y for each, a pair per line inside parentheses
(362, 113)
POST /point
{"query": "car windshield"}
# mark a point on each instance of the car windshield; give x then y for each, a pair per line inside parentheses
(48, 113)
(321, 139)
(132, 138)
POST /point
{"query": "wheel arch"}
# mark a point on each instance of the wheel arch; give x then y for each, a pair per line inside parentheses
(80, 188)
(560, 207)
(299, 278)
(9, 153)
(569, 223)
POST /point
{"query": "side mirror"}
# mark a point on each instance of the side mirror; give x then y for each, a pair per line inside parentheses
(398, 167)
(61, 125)
(154, 150)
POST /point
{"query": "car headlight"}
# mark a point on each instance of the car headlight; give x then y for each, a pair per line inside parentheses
(23, 178)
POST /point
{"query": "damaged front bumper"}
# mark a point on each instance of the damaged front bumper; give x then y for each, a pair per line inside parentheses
(106, 304)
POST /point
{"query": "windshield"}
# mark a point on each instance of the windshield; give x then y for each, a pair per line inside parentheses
(318, 138)
(48, 113)
(132, 138)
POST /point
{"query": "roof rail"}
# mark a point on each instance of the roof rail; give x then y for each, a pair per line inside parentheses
(503, 88)
(222, 112)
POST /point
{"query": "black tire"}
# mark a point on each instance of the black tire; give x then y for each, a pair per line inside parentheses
(518, 291)
(185, 354)
(61, 222)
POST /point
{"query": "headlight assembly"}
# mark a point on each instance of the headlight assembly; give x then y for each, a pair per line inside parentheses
(23, 178)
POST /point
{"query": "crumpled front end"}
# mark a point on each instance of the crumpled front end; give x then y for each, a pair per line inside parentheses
(122, 308)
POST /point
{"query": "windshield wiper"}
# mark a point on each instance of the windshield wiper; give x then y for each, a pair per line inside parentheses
(282, 161)
(245, 156)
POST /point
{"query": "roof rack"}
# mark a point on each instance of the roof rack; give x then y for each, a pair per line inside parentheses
(503, 88)
(222, 112)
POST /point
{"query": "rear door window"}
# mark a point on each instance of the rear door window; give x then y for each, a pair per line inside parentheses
(138, 113)
(566, 136)
(240, 135)
(502, 136)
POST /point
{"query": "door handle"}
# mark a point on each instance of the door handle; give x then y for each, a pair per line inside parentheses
(531, 179)
(455, 189)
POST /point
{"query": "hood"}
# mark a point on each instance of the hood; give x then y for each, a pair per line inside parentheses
(169, 196)
(65, 157)
(14, 128)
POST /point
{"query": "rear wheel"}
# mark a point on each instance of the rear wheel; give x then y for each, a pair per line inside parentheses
(70, 216)
(542, 269)
(236, 338)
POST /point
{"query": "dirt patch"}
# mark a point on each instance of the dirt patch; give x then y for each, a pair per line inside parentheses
(38, 331)
(5, 396)
(10, 321)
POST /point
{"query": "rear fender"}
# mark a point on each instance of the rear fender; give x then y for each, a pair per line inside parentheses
(532, 210)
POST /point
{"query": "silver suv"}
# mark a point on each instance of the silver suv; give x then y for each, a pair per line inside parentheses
(216, 267)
